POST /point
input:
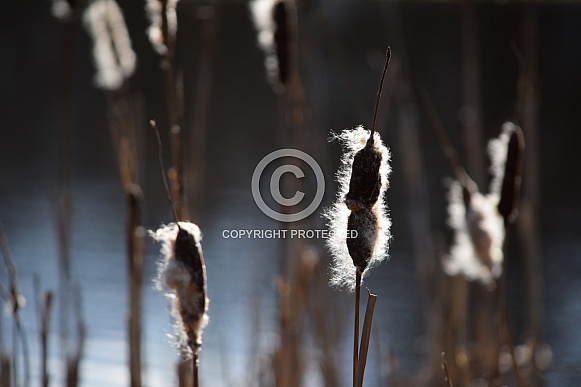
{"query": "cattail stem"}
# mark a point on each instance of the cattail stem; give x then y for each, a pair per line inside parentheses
(135, 268)
(387, 58)
(195, 369)
(356, 329)
(162, 169)
(446, 145)
(365, 335)
(447, 379)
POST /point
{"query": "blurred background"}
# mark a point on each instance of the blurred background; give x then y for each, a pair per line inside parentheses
(468, 56)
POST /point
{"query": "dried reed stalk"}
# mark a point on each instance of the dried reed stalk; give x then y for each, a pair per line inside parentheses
(447, 379)
(67, 13)
(162, 34)
(201, 111)
(115, 61)
(15, 303)
(360, 210)
(365, 335)
(75, 357)
(44, 308)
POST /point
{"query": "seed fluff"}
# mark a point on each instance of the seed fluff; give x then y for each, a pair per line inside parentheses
(477, 251)
(361, 213)
(182, 276)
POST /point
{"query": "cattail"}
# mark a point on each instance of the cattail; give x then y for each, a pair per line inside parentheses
(182, 275)
(164, 23)
(358, 219)
(64, 10)
(271, 20)
(479, 221)
(112, 52)
(479, 235)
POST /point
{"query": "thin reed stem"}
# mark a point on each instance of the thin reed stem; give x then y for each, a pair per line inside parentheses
(14, 292)
(195, 369)
(446, 145)
(378, 99)
(135, 267)
(446, 372)
(356, 328)
(365, 336)
(162, 168)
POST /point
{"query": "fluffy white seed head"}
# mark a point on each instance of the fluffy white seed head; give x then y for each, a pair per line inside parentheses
(478, 236)
(112, 52)
(342, 267)
(262, 12)
(477, 252)
(182, 276)
(155, 9)
(497, 151)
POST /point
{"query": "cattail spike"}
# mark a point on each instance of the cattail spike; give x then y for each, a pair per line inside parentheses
(114, 57)
(182, 274)
(510, 188)
(387, 58)
(358, 219)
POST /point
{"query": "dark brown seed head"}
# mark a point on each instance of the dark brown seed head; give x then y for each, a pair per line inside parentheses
(365, 183)
(510, 189)
(361, 237)
(189, 253)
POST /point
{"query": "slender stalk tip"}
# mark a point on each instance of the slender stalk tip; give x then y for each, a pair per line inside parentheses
(387, 59)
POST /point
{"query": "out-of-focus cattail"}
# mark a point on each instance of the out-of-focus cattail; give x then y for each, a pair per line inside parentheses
(164, 23)
(64, 10)
(358, 219)
(271, 20)
(479, 221)
(112, 52)
(479, 235)
(182, 275)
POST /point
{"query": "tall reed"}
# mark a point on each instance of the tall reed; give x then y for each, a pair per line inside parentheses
(115, 63)
(358, 219)
(162, 35)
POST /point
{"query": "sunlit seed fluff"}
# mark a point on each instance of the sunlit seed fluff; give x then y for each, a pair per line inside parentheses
(497, 151)
(479, 235)
(155, 10)
(372, 224)
(477, 252)
(269, 18)
(182, 275)
(112, 52)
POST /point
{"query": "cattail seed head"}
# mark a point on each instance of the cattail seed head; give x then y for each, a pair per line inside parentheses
(271, 20)
(112, 52)
(64, 10)
(365, 183)
(182, 275)
(478, 236)
(479, 220)
(164, 23)
(362, 234)
(509, 187)
(358, 221)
